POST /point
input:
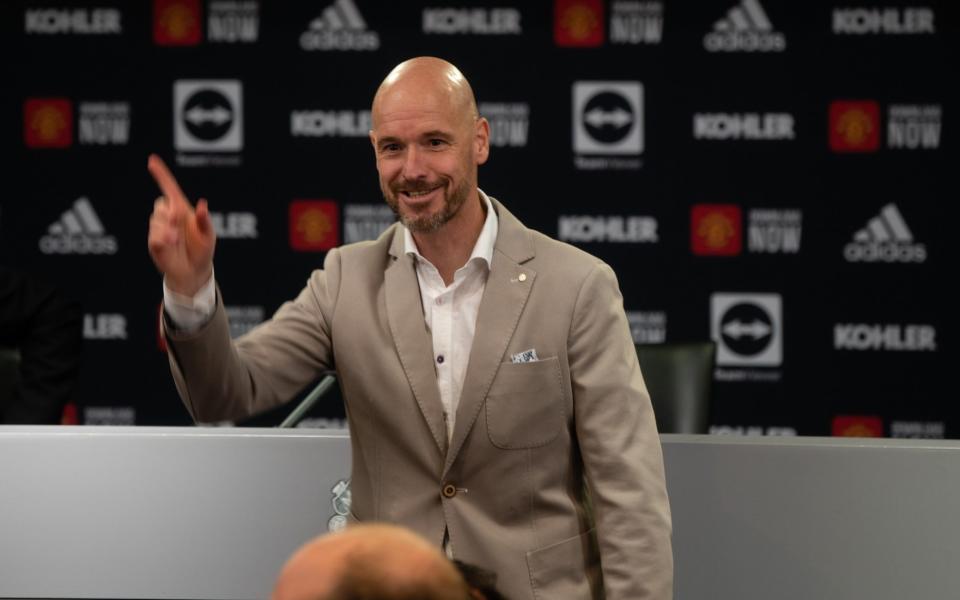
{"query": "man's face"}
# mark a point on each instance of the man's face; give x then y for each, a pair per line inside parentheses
(427, 153)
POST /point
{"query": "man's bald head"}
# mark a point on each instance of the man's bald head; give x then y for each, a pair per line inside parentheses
(429, 141)
(431, 80)
(369, 562)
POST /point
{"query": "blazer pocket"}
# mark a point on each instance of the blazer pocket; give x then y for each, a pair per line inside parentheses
(567, 569)
(525, 404)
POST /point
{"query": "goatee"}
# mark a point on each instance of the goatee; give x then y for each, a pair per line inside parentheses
(431, 222)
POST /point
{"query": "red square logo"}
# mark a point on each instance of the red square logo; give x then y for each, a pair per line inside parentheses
(314, 225)
(716, 230)
(857, 426)
(578, 23)
(854, 126)
(69, 416)
(176, 22)
(48, 123)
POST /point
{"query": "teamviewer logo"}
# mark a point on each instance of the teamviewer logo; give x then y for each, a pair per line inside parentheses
(608, 117)
(748, 329)
(208, 116)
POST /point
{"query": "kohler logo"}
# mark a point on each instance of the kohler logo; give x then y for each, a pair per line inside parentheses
(904, 338)
(743, 126)
(78, 21)
(482, 21)
(330, 123)
(588, 228)
(893, 21)
(234, 225)
(104, 327)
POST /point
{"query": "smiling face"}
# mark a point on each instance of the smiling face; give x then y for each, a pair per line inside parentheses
(428, 142)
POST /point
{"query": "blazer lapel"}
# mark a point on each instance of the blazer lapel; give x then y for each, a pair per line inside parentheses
(508, 287)
(413, 341)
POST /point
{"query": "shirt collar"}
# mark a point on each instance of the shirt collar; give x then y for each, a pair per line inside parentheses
(483, 249)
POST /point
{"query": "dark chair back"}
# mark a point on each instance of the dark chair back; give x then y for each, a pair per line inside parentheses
(679, 378)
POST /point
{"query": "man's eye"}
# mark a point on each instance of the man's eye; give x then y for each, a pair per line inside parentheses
(390, 148)
(437, 142)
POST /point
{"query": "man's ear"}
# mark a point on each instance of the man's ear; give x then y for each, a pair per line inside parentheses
(482, 140)
(373, 141)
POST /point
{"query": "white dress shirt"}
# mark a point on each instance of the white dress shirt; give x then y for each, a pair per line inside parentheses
(189, 313)
(451, 311)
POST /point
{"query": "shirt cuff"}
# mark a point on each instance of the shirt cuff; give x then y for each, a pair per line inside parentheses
(190, 313)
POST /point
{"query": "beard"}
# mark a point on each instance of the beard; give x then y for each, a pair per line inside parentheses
(428, 223)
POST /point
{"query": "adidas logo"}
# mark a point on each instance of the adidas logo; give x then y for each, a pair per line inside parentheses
(746, 28)
(339, 27)
(886, 238)
(79, 231)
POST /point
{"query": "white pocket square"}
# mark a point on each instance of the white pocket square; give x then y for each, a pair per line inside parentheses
(525, 356)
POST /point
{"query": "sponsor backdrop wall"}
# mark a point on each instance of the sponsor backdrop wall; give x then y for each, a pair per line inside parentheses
(767, 174)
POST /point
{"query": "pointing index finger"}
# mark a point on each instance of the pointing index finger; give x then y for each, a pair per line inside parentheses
(165, 179)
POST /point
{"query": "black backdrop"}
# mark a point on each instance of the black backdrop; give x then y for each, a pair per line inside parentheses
(728, 189)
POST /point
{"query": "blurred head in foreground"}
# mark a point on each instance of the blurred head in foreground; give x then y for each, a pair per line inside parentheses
(369, 562)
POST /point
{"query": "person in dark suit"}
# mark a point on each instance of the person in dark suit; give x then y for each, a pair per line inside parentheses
(41, 347)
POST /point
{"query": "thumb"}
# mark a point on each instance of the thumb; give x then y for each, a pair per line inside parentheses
(204, 224)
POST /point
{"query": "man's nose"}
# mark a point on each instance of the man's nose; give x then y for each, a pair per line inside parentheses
(414, 164)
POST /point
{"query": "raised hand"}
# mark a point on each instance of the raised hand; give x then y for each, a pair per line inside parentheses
(181, 239)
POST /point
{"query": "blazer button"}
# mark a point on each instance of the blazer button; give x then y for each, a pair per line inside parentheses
(449, 490)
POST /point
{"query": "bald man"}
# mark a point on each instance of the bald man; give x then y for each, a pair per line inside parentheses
(370, 562)
(491, 384)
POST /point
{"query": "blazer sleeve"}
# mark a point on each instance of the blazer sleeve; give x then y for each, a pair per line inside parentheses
(618, 439)
(222, 379)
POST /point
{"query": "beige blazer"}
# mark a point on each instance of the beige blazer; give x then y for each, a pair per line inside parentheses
(526, 434)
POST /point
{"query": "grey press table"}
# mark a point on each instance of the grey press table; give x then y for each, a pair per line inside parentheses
(97, 512)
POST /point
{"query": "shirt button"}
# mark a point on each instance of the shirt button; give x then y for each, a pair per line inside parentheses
(439, 301)
(449, 490)
(440, 359)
